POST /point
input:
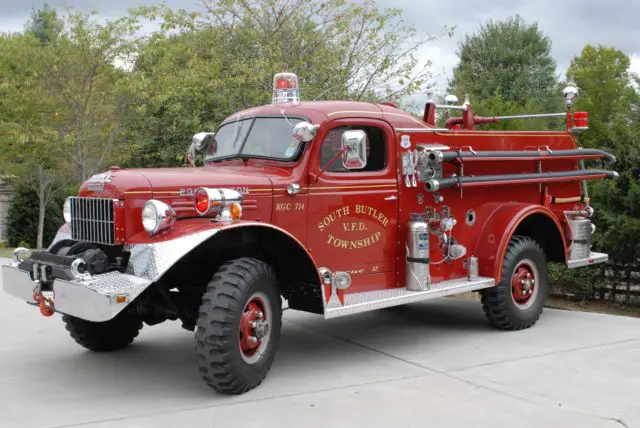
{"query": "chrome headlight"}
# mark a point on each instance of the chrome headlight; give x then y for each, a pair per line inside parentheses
(157, 216)
(66, 210)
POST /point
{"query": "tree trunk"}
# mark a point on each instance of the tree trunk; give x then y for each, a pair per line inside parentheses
(40, 224)
(42, 204)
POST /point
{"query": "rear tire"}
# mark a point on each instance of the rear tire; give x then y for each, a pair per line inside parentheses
(518, 300)
(104, 336)
(238, 327)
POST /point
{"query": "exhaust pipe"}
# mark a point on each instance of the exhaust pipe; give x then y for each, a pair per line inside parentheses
(434, 185)
(437, 156)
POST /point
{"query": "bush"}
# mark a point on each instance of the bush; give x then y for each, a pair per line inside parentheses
(22, 218)
(582, 283)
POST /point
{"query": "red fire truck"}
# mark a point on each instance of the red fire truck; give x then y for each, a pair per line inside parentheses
(337, 207)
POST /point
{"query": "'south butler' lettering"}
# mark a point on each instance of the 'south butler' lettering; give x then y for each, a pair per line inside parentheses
(341, 215)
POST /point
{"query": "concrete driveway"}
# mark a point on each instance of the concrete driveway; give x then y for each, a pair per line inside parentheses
(436, 364)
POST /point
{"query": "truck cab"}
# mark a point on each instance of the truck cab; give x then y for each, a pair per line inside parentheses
(337, 207)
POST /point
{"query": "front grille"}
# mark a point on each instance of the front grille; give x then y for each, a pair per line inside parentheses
(92, 220)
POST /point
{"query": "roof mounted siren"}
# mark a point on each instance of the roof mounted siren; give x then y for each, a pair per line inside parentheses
(285, 88)
(450, 103)
(579, 120)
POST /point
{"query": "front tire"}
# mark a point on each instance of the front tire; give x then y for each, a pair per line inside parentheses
(238, 326)
(104, 336)
(518, 300)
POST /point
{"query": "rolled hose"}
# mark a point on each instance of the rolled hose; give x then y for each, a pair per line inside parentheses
(437, 156)
(436, 184)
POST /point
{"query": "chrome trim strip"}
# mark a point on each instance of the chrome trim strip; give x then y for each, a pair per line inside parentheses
(422, 129)
(372, 300)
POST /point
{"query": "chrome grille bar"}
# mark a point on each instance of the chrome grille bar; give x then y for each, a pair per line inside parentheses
(92, 220)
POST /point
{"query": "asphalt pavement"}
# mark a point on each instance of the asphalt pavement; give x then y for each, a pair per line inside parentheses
(435, 364)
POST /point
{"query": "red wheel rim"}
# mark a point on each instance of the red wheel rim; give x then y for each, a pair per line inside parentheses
(254, 328)
(524, 283)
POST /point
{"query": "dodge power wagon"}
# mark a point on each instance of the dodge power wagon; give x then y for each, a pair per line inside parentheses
(337, 207)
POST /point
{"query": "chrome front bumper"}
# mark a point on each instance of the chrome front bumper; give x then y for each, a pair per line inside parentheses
(98, 298)
(101, 297)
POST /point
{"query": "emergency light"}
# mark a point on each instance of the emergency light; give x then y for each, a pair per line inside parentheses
(285, 88)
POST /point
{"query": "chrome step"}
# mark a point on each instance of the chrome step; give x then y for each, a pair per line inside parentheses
(591, 260)
(372, 300)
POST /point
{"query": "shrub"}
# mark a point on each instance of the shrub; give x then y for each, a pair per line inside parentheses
(22, 218)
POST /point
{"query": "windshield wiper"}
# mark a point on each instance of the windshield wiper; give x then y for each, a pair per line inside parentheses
(244, 157)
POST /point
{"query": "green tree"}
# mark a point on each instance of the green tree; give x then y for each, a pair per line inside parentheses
(607, 93)
(199, 68)
(65, 107)
(45, 24)
(506, 67)
(22, 219)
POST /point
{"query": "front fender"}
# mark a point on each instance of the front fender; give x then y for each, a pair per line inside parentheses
(497, 231)
(152, 256)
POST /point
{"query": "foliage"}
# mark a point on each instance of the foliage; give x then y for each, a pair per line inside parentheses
(606, 92)
(22, 218)
(200, 68)
(45, 24)
(65, 107)
(506, 67)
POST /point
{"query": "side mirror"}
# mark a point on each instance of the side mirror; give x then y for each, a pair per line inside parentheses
(199, 143)
(354, 146)
(304, 131)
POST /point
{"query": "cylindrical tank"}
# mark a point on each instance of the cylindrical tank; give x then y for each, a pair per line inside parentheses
(581, 232)
(417, 264)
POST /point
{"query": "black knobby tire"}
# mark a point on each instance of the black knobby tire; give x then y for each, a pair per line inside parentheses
(104, 336)
(223, 363)
(506, 309)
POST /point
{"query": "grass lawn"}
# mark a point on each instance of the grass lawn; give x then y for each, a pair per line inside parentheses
(6, 252)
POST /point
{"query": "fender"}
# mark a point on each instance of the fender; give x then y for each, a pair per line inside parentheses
(498, 230)
(101, 297)
(152, 256)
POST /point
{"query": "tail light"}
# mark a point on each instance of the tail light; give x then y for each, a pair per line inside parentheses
(580, 121)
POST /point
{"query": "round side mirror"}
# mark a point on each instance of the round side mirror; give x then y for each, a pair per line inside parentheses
(304, 131)
(202, 140)
(199, 143)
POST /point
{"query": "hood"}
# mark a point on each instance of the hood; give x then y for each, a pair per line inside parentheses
(177, 186)
(174, 182)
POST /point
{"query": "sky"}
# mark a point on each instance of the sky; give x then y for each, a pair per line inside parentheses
(569, 23)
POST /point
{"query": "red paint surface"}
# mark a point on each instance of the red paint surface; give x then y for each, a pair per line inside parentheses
(498, 209)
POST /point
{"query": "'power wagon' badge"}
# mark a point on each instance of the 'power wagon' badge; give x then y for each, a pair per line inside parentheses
(354, 233)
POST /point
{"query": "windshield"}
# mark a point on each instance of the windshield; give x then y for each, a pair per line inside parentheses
(262, 137)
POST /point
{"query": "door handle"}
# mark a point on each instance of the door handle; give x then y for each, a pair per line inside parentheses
(391, 198)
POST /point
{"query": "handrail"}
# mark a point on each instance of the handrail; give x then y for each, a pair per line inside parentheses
(434, 185)
(521, 155)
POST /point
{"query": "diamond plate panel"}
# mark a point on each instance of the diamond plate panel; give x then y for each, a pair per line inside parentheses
(151, 261)
(372, 300)
(116, 283)
(591, 260)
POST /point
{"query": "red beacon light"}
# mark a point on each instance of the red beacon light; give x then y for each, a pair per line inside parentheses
(580, 121)
(285, 88)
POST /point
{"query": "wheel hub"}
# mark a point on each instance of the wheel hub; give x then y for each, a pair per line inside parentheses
(523, 283)
(254, 327)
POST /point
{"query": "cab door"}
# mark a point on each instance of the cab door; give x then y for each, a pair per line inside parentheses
(353, 212)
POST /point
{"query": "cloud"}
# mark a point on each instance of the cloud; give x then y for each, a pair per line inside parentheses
(571, 23)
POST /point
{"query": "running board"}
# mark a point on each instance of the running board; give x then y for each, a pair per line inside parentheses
(372, 300)
(591, 260)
